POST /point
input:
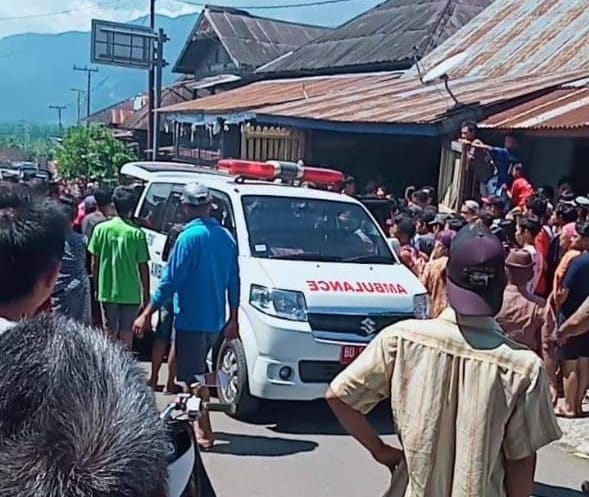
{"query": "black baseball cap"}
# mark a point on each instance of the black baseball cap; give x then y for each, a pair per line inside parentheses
(476, 272)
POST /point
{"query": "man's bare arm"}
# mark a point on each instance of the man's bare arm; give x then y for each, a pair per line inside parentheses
(578, 323)
(94, 266)
(356, 424)
(519, 476)
(477, 144)
(145, 283)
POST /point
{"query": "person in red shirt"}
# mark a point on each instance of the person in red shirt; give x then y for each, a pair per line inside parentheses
(538, 206)
(521, 189)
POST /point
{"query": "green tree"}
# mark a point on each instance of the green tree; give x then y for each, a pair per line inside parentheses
(91, 152)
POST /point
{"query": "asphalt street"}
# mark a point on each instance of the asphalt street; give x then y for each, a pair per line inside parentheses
(298, 449)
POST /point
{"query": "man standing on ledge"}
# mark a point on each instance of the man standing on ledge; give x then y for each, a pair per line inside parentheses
(202, 276)
(470, 406)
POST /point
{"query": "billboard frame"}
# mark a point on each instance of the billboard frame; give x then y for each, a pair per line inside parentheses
(133, 32)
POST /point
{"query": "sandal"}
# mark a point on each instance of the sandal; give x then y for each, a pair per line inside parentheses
(559, 413)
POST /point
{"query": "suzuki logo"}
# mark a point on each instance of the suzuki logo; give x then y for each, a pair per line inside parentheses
(368, 326)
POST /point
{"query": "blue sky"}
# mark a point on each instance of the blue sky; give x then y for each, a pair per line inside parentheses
(56, 16)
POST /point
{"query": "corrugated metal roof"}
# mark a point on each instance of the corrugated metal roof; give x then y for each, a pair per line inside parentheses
(210, 81)
(170, 95)
(369, 98)
(565, 108)
(272, 92)
(386, 34)
(114, 114)
(250, 41)
(408, 101)
(519, 37)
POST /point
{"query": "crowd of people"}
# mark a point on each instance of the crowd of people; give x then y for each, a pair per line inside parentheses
(545, 236)
(513, 262)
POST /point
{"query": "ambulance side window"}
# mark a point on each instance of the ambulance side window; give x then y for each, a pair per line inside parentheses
(152, 211)
(223, 211)
(174, 214)
(173, 211)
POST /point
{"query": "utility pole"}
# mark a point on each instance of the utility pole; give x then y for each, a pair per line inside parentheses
(150, 79)
(79, 94)
(159, 63)
(59, 109)
(89, 71)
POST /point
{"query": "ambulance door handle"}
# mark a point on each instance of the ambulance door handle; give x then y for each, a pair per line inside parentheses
(158, 252)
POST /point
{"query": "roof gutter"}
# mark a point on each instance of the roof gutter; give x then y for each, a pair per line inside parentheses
(404, 129)
(202, 119)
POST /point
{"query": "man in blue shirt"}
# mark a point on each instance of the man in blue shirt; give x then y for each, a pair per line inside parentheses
(202, 277)
(503, 158)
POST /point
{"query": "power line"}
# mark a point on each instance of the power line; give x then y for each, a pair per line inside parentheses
(313, 3)
(54, 13)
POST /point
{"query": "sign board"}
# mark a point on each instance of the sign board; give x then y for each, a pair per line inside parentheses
(118, 44)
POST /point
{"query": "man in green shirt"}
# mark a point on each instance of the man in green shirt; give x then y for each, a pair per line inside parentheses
(119, 267)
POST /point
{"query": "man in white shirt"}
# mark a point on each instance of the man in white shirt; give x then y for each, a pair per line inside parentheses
(32, 236)
(528, 228)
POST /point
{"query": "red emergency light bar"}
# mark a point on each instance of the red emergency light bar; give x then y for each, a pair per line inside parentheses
(280, 170)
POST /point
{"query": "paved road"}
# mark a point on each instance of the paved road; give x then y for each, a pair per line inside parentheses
(298, 449)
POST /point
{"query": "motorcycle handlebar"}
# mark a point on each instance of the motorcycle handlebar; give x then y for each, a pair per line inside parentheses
(217, 407)
(193, 406)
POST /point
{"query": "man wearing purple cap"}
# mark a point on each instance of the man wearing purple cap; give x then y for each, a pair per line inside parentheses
(470, 406)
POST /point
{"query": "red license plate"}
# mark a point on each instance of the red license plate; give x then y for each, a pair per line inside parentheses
(350, 352)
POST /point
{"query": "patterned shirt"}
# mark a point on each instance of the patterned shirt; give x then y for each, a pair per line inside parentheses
(71, 296)
(464, 399)
(433, 279)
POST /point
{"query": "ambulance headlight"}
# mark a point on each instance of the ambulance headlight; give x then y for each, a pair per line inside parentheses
(284, 304)
(421, 306)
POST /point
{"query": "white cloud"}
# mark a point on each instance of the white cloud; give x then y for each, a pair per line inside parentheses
(56, 16)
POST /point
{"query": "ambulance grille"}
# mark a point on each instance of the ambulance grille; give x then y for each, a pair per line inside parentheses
(362, 325)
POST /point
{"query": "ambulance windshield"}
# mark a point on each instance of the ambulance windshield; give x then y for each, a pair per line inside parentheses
(313, 229)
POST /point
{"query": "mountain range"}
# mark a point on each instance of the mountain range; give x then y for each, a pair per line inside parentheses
(36, 70)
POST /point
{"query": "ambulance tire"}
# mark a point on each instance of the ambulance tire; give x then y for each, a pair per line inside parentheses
(246, 406)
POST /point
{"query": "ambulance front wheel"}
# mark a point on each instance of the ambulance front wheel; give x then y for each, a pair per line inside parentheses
(231, 361)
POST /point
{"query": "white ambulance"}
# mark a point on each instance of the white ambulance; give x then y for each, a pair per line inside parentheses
(318, 278)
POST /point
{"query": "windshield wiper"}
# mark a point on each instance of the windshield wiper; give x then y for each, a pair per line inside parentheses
(370, 258)
(309, 256)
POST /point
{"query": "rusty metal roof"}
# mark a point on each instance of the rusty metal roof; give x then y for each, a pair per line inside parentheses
(519, 37)
(565, 108)
(408, 101)
(137, 120)
(114, 114)
(263, 93)
(384, 35)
